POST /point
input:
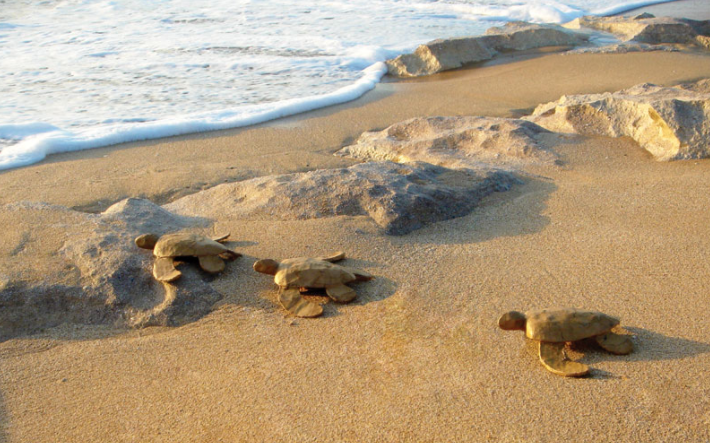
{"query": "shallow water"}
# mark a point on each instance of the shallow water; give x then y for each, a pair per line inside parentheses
(83, 74)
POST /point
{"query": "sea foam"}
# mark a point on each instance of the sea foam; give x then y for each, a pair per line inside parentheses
(82, 75)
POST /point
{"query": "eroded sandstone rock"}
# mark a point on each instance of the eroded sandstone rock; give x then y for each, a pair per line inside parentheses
(670, 122)
(398, 197)
(442, 55)
(522, 36)
(68, 266)
(61, 265)
(646, 28)
(454, 142)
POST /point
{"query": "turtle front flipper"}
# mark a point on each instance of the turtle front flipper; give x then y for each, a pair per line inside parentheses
(164, 269)
(340, 293)
(554, 359)
(211, 263)
(333, 258)
(615, 343)
(294, 303)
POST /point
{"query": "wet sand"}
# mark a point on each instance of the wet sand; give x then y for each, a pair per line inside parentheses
(417, 356)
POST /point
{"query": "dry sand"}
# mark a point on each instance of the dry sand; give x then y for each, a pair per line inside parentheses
(418, 355)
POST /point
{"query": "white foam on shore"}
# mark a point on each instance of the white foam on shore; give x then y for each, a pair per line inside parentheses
(36, 147)
(83, 75)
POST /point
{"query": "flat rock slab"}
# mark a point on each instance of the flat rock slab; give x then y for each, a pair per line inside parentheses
(445, 54)
(455, 142)
(398, 197)
(623, 48)
(646, 28)
(671, 123)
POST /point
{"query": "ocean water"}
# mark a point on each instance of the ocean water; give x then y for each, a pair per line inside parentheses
(81, 74)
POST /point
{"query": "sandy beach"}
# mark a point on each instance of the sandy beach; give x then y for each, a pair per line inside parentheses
(417, 356)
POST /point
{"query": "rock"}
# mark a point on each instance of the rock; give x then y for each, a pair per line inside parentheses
(61, 265)
(622, 48)
(144, 216)
(454, 142)
(645, 28)
(703, 41)
(522, 36)
(441, 55)
(671, 123)
(699, 87)
(85, 268)
(398, 197)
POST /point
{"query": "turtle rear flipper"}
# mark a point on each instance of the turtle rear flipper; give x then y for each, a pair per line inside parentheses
(359, 274)
(221, 238)
(230, 255)
(615, 343)
(554, 359)
(294, 303)
(340, 293)
(333, 258)
(211, 263)
(164, 269)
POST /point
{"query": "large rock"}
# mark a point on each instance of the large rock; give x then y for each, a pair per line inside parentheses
(454, 142)
(60, 265)
(622, 48)
(439, 55)
(669, 122)
(646, 28)
(442, 55)
(523, 36)
(398, 197)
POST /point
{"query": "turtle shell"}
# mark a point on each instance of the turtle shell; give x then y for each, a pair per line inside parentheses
(560, 325)
(311, 273)
(187, 245)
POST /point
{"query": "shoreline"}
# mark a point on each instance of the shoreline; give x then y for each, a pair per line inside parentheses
(417, 356)
(32, 152)
(694, 9)
(165, 169)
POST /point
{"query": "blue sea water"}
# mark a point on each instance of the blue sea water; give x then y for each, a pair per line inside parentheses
(81, 74)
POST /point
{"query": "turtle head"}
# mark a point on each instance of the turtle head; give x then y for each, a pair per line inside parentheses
(266, 266)
(147, 241)
(512, 321)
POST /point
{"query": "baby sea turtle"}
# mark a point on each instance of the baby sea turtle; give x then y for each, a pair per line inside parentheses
(209, 252)
(554, 327)
(296, 275)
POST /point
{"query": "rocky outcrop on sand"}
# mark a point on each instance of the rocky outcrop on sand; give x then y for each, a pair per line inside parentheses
(622, 48)
(455, 142)
(445, 54)
(669, 122)
(398, 197)
(69, 266)
(62, 265)
(646, 28)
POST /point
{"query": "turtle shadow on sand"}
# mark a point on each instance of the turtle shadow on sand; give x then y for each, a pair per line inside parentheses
(198, 293)
(648, 346)
(380, 288)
